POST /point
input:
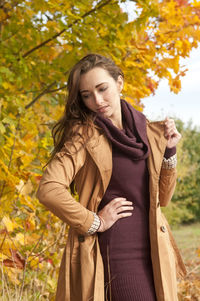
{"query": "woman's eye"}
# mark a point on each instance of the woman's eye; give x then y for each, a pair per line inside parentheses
(102, 89)
(85, 96)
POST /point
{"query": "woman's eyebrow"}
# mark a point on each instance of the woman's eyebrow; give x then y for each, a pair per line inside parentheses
(95, 87)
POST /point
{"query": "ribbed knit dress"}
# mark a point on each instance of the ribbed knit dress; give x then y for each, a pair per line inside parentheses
(125, 247)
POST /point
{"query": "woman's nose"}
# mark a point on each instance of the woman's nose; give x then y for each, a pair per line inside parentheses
(98, 99)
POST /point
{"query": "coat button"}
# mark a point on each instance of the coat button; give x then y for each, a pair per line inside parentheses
(81, 238)
(163, 229)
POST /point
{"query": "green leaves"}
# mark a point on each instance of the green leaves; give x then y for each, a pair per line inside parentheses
(186, 205)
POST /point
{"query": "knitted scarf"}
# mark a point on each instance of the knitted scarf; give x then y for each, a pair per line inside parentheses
(133, 139)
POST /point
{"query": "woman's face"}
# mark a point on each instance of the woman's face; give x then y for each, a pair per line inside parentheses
(101, 93)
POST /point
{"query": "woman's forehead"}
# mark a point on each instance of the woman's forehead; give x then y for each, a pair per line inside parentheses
(94, 77)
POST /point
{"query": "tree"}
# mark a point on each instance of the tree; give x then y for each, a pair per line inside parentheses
(185, 205)
(40, 41)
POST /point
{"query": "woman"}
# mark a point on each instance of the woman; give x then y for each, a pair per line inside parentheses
(123, 168)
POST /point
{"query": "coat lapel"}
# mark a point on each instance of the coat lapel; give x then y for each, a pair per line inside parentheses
(104, 164)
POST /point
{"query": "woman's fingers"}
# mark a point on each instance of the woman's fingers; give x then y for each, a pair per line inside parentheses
(118, 202)
(171, 133)
(124, 208)
(114, 210)
(123, 214)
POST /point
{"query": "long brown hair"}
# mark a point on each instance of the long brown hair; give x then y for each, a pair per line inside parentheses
(76, 113)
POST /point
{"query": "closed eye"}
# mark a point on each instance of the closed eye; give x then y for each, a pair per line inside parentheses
(85, 95)
(102, 89)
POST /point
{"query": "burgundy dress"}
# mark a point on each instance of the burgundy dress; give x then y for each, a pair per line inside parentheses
(125, 247)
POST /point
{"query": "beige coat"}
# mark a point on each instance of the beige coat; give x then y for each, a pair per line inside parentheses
(81, 276)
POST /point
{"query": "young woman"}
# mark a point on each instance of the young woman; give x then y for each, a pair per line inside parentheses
(123, 168)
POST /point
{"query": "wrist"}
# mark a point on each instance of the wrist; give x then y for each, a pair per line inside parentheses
(95, 225)
(170, 162)
(101, 225)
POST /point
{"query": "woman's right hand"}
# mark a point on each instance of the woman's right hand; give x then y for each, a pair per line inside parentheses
(113, 211)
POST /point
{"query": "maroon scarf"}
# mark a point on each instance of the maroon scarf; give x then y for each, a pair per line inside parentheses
(133, 139)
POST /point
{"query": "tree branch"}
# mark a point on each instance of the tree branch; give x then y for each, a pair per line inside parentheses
(55, 90)
(46, 91)
(40, 95)
(48, 88)
(96, 8)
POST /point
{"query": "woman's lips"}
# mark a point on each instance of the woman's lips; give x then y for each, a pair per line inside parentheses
(102, 109)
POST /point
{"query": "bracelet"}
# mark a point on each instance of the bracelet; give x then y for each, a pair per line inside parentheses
(169, 163)
(95, 225)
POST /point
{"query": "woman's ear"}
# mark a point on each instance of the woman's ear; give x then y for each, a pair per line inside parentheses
(120, 83)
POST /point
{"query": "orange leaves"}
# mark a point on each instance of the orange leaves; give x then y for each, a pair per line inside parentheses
(182, 2)
(16, 261)
(175, 84)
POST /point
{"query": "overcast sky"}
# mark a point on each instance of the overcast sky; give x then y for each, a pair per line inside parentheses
(186, 104)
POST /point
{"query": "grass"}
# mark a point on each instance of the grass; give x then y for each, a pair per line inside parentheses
(188, 241)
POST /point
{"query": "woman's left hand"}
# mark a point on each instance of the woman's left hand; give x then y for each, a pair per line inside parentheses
(171, 133)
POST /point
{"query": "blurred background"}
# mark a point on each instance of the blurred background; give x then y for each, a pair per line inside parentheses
(156, 43)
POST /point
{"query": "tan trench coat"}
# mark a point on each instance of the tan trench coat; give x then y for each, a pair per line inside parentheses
(81, 276)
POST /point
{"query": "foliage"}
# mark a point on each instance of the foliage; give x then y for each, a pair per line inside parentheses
(185, 205)
(187, 237)
(40, 41)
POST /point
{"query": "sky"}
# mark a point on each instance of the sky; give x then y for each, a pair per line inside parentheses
(184, 105)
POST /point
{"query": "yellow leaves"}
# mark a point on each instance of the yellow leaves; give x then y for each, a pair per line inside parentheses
(24, 188)
(75, 16)
(178, 44)
(30, 222)
(20, 238)
(8, 223)
(175, 84)
(196, 4)
(171, 63)
(7, 175)
(35, 263)
(3, 15)
(183, 47)
(8, 86)
(131, 63)
(53, 25)
(2, 128)
(186, 48)
(134, 92)
(67, 47)
(30, 12)
(32, 239)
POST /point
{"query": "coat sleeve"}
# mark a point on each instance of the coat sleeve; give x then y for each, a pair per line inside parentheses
(167, 184)
(54, 193)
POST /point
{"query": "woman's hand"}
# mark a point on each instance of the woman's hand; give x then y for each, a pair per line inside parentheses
(171, 133)
(113, 211)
